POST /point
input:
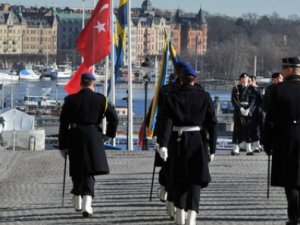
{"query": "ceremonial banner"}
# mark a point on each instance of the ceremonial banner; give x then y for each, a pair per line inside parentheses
(120, 36)
(161, 80)
(73, 85)
(94, 40)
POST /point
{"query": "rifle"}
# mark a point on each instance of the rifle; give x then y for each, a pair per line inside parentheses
(64, 180)
(153, 173)
(268, 178)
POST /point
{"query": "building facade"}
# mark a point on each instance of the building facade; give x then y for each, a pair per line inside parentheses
(29, 34)
(43, 32)
(189, 33)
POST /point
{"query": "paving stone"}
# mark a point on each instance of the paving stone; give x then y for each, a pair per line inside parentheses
(31, 190)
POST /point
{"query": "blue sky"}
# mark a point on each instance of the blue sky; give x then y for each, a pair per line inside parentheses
(233, 8)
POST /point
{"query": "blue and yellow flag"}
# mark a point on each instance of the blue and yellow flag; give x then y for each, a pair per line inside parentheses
(175, 58)
(161, 80)
(120, 36)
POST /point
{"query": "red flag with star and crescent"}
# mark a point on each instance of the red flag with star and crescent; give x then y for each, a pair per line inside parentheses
(94, 41)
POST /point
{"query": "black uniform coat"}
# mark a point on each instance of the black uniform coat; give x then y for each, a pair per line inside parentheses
(282, 132)
(163, 92)
(244, 126)
(86, 109)
(189, 106)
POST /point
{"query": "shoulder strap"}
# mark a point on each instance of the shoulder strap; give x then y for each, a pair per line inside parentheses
(106, 105)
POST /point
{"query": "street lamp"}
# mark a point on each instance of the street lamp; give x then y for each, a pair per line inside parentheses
(146, 80)
(127, 123)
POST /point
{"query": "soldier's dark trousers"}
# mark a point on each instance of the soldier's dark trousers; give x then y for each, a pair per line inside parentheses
(83, 185)
(162, 176)
(187, 197)
(293, 199)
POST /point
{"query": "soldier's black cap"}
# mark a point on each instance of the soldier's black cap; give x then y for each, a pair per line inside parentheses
(189, 70)
(180, 64)
(291, 62)
(244, 75)
(88, 76)
(275, 75)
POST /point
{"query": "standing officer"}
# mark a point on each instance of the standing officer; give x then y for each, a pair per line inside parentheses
(80, 132)
(276, 78)
(243, 101)
(281, 136)
(257, 115)
(185, 113)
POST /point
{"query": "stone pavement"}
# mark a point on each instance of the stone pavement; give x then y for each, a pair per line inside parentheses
(31, 183)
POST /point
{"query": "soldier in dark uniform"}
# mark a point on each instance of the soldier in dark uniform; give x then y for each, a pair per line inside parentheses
(276, 78)
(257, 115)
(81, 134)
(165, 192)
(185, 112)
(281, 136)
(243, 100)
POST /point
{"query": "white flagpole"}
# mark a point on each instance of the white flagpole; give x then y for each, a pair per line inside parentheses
(112, 54)
(129, 110)
(105, 88)
(93, 68)
(83, 9)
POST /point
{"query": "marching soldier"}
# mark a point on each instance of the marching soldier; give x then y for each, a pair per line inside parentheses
(185, 113)
(281, 136)
(165, 193)
(80, 133)
(243, 100)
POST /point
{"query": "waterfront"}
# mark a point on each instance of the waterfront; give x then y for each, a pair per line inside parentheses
(55, 89)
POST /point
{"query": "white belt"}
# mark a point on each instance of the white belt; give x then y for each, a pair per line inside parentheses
(244, 103)
(181, 129)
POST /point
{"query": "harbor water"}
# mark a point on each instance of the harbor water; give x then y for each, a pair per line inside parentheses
(54, 89)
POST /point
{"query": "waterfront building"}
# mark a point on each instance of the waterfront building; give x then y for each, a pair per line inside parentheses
(27, 35)
(189, 33)
(48, 35)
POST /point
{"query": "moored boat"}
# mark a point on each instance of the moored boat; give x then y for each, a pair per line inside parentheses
(29, 75)
(7, 76)
(64, 71)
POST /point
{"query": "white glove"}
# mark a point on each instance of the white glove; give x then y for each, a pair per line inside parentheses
(211, 157)
(247, 112)
(163, 153)
(242, 110)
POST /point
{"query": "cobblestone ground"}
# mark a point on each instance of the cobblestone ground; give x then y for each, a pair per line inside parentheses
(31, 183)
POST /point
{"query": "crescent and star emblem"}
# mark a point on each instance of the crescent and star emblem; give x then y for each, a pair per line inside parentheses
(101, 26)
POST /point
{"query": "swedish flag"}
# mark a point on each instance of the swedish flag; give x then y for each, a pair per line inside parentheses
(161, 80)
(120, 36)
(175, 58)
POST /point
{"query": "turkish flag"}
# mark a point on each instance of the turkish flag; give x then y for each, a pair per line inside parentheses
(73, 85)
(94, 41)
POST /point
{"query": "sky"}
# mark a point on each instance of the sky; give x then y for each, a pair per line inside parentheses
(232, 8)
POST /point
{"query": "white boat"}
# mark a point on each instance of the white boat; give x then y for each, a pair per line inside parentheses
(64, 71)
(39, 101)
(28, 75)
(6, 76)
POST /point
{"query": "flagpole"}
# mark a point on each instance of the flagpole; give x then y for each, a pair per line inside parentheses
(83, 9)
(105, 87)
(93, 68)
(112, 54)
(129, 110)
